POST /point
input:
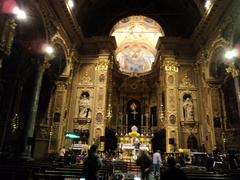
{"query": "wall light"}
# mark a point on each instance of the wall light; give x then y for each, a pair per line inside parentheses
(231, 54)
(70, 3)
(48, 49)
(207, 4)
(20, 14)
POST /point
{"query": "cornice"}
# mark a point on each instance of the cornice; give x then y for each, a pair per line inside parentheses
(68, 21)
(201, 32)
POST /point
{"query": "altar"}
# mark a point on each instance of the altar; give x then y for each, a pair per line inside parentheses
(130, 145)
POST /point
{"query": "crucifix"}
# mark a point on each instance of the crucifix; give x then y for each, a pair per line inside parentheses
(134, 112)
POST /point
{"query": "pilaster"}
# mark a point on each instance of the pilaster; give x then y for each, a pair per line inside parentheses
(171, 70)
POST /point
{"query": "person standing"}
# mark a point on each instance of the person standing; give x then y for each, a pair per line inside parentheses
(92, 164)
(145, 163)
(156, 163)
(62, 152)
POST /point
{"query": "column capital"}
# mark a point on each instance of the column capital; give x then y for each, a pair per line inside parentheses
(233, 70)
(170, 65)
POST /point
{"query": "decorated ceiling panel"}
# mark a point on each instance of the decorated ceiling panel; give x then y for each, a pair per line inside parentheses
(136, 38)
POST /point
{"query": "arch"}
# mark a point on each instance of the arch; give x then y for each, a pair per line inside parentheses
(20, 68)
(136, 38)
(192, 142)
(236, 32)
(216, 64)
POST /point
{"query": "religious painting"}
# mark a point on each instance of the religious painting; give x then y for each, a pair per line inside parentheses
(136, 38)
(135, 59)
(172, 119)
(231, 105)
(99, 117)
(171, 79)
(101, 78)
(98, 133)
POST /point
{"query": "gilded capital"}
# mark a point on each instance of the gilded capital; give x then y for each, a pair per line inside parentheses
(233, 70)
(102, 65)
(171, 66)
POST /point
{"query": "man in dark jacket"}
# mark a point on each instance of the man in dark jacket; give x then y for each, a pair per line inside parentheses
(173, 173)
(145, 163)
(92, 164)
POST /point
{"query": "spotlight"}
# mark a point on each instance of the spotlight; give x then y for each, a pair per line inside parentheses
(231, 54)
(70, 3)
(48, 49)
(207, 4)
(20, 14)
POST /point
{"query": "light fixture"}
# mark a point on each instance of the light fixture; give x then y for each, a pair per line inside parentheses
(231, 54)
(20, 14)
(70, 3)
(207, 4)
(48, 49)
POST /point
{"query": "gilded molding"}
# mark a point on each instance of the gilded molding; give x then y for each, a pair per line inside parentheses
(233, 70)
(86, 79)
(170, 66)
(102, 65)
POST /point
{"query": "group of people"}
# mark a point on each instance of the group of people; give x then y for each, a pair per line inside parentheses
(145, 162)
(93, 163)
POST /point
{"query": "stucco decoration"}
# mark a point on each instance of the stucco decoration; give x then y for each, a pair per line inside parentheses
(186, 81)
(86, 79)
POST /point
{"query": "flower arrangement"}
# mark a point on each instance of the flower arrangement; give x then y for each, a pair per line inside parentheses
(134, 134)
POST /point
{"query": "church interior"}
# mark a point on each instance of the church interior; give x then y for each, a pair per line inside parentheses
(164, 71)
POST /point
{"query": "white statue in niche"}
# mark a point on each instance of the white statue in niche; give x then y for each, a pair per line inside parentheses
(188, 109)
(84, 106)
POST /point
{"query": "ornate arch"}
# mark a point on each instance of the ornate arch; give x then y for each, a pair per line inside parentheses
(59, 40)
(216, 49)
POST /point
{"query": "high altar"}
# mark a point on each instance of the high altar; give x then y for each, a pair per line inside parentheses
(130, 144)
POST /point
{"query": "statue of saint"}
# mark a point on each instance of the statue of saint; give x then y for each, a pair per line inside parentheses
(188, 109)
(84, 106)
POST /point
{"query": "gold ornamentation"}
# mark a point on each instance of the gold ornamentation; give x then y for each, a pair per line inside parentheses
(233, 70)
(61, 86)
(102, 65)
(171, 66)
(86, 80)
(186, 81)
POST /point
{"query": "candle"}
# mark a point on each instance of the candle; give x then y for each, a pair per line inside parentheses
(152, 119)
(126, 123)
(147, 123)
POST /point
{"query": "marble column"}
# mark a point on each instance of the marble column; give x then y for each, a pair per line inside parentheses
(30, 124)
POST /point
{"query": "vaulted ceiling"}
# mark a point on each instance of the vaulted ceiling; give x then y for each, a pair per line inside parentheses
(177, 17)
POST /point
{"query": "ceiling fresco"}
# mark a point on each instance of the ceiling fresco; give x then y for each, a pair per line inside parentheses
(136, 38)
